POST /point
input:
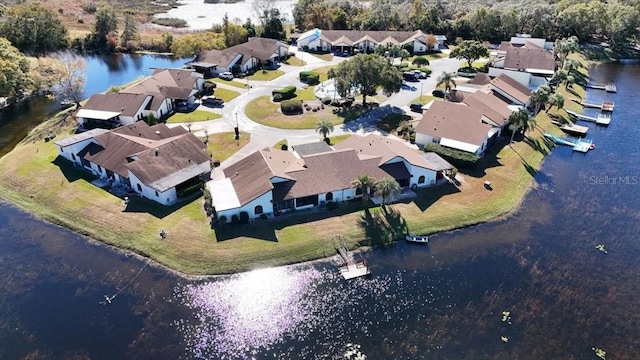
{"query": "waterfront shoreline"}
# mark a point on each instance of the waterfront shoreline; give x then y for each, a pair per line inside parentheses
(194, 250)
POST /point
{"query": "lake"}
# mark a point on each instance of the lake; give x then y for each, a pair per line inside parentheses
(201, 16)
(441, 301)
(102, 72)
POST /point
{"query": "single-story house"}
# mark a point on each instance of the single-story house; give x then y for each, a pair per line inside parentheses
(247, 56)
(510, 90)
(155, 96)
(346, 41)
(271, 181)
(456, 126)
(534, 62)
(495, 111)
(113, 109)
(157, 162)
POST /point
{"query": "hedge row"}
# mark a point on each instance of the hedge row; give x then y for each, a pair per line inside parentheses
(309, 77)
(456, 157)
(285, 93)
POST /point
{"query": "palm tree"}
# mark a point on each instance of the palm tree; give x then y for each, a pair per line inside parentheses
(387, 188)
(446, 79)
(364, 182)
(539, 98)
(556, 99)
(324, 127)
(520, 120)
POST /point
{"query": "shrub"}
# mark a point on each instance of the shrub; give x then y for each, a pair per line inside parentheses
(80, 21)
(455, 157)
(420, 61)
(171, 22)
(89, 8)
(291, 107)
(263, 216)
(244, 217)
(332, 205)
(309, 77)
(285, 93)
(277, 97)
(326, 100)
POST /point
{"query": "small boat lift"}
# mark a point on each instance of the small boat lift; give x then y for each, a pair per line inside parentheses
(580, 145)
(351, 268)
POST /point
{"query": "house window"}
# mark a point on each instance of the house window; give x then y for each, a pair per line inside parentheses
(139, 187)
(358, 191)
(329, 197)
(258, 210)
(421, 179)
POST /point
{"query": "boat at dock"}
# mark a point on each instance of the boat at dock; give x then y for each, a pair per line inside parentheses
(580, 145)
(572, 129)
(607, 106)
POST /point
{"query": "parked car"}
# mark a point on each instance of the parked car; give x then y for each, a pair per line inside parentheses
(410, 76)
(212, 101)
(420, 74)
(226, 75)
(416, 107)
(438, 93)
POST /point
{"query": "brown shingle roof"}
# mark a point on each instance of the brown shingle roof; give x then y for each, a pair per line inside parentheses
(171, 163)
(331, 171)
(480, 79)
(113, 148)
(165, 83)
(510, 86)
(125, 104)
(491, 106)
(385, 148)
(454, 121)
(529, 56)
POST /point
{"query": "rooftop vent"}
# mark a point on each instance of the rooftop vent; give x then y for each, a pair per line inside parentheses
(156, 151)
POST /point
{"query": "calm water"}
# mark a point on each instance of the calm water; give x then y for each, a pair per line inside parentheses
(444, 301)
(103, 71)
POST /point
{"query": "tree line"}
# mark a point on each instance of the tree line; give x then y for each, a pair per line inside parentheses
(614, 21)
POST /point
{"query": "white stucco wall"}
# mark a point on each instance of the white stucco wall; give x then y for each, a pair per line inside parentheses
(165, 198)
(417, 171)
(265, 200)
(423, 139)
(74, 149)
(522, 77)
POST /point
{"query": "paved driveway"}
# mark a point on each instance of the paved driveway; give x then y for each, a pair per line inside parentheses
(264, 136)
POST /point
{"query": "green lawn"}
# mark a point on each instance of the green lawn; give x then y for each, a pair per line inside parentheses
(223, 145)
(266, 75)
(295, 61)
(323, 72)
(194, 116)
(226, 94)
(425, 99)
(263, 111)
(236, 82)
(62, 194)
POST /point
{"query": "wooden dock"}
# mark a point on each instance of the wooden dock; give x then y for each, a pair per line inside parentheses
(606, 87)
(605, 106)
(601, 119)
(350, 268)
(572, 129)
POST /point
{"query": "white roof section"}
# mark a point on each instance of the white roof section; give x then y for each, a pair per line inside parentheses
(96, 114)
(224, 197)
(311, 35)
(459, 145)
(74, 139)
(179, 177)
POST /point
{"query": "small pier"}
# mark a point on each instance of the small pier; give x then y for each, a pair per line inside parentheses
(580, 145)
(351, 268)
(605, 106)
(578, 130)
(606, 87)
(601, 119)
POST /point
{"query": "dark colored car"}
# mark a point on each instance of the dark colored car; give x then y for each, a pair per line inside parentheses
(212, 101)
(438, 93)
(410, 76)
(415, 107)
